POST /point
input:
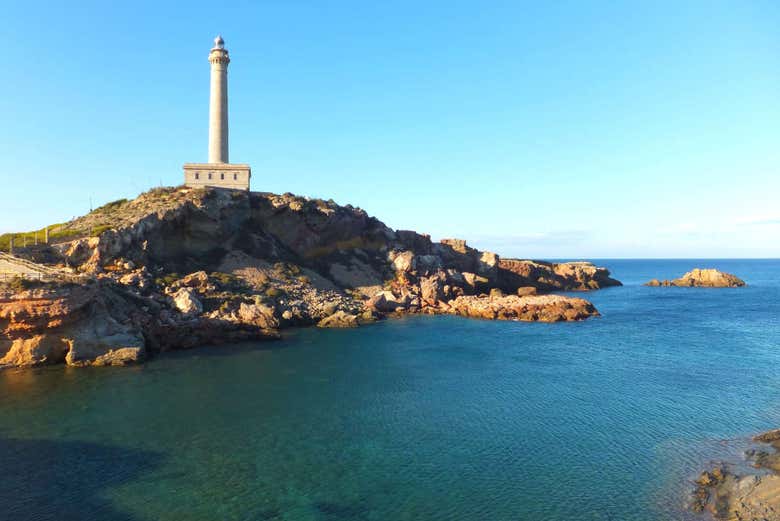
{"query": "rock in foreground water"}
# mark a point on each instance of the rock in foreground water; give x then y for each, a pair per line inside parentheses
(754, 496)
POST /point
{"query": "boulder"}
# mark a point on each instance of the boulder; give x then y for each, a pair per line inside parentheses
(386, 302)
(198, 280)
(38, 349)
(404, 262)
(258, 315)
(186, 302)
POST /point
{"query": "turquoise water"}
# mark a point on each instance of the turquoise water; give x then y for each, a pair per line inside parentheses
(435, 418)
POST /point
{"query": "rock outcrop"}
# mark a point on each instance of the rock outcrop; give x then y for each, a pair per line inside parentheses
(703, 278)
(102, 323)
(541, 308)
(179, 267)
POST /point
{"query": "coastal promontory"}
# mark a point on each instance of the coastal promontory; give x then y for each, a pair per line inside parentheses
(180, 267)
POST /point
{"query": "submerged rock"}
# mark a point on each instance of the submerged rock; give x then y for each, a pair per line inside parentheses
(704, 278)
(753, 496)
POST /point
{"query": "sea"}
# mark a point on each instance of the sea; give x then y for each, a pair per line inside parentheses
(420, 418)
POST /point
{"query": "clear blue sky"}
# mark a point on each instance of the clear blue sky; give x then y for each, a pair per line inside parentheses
(574, 129)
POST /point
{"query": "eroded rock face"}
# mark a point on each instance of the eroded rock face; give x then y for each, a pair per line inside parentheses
(79, 325)
(703, 278)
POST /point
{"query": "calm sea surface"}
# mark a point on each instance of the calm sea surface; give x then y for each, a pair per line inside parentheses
(436, 418)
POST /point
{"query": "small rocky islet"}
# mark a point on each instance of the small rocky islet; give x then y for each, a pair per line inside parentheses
(701, 278)
(181, 267)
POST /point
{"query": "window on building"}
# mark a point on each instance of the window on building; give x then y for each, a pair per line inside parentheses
(197, 175)
(235, 177)
(209, 175)
(222, 176)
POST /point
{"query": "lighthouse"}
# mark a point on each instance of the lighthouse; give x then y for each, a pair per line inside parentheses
(218, 103)
(218, 172)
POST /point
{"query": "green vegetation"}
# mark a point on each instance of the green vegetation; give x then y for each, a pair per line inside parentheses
(110, 207)
(18, 284)
(273, 292)
(161, 191)
(97, 230)
(226, 281)
(166, 280)
(56, 231)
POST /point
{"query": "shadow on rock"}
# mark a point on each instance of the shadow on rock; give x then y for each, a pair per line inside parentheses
(62, 480)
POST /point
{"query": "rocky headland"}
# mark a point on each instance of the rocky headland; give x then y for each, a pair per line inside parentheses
(179, 267)
(752, 496)
(702, 278)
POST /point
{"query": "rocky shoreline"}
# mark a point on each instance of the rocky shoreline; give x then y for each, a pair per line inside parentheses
(752, 496)
(176, 268)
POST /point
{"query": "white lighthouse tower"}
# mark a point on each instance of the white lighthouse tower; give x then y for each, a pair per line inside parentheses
(218, 172)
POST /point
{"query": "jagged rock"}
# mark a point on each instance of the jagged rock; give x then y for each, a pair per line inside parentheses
(432, 289)
(186, 302)
(474, 283)
(258, 315)
(339, 319)
(525, 291)
(139, 278)
(198, 280)
(705, 278)
(386, 302)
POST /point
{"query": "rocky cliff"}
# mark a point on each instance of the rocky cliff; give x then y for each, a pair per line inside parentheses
(180, 267)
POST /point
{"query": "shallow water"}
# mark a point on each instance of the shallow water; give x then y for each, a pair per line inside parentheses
(436, 418)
